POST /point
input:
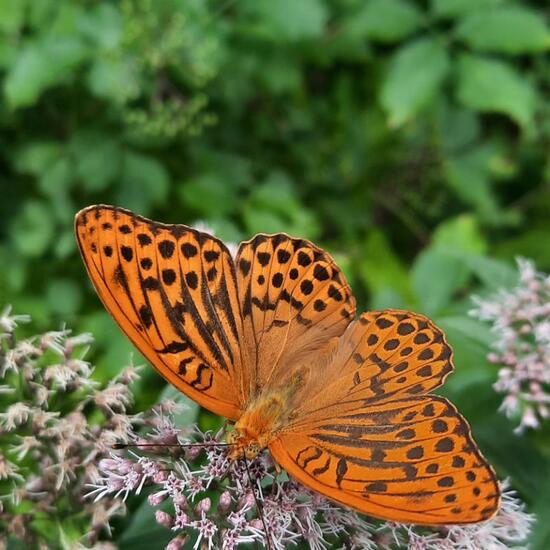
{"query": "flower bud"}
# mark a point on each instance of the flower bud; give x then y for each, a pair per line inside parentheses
(191, 453)
(156, 498)
(108, 464)
(126, 466)
(164, 519)
(224, 502)
(176, 543)
(160, 476)
(204, 505)
(180, 501)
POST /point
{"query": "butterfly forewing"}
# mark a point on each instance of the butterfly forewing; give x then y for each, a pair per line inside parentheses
(293, 300)
(410, 460)
(173, 292)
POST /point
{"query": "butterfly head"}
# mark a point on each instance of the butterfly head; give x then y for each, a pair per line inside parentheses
(242, 445)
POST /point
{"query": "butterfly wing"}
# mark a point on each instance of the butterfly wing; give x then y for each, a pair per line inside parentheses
(368, 438)
(173, 291)
(411, 460)
(294, 299)
(383, 355)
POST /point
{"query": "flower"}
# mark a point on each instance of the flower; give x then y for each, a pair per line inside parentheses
(255, 502)
(520, 322)
(60, 466)
(50, 447)
(8, 322)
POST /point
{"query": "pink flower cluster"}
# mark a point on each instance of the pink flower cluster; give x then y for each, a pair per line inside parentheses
(520, 319)
(220, 504)
(58, 467)
(55, 426)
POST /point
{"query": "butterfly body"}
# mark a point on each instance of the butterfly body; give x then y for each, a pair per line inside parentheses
(270, 340)
(257, 426)
(263, 418)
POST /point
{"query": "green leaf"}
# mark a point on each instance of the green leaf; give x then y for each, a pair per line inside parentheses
(290, 20)
(540, 538)
(98, 159)
(454, 8)
(116, 349)
(470, 341)
(143, 531)
(226, 230)
(145, 182)
(114, 78)
(489, 85)
(507, 29)
(385, 20)
(531, 243)
(273, 207)
(209, 194)
(493, 273)
(387, 298)
(64, 296)
(459, 235)
(33, 228)
(41, 65)
(36, 156)
(435, 276)
(511, 455)
(415, 75)
(381, 269)
(440, 270)
(474, 329)
(470, 181)
(471, 176)
(13, 274)
(12, 15)
(41, 14)
(102, 24)
(263, 221)
(65, 243)
(280, 74)
(57, 177)
(458, 128)
(276, 194)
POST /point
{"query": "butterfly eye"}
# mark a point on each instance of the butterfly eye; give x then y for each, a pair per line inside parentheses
(234, 437)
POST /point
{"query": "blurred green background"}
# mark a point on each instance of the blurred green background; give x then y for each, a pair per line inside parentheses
(409, 138)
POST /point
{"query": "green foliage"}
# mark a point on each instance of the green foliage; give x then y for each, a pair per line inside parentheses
(386, 20)
(415, 75)
(508, 29)
(409, 138)
(490, 85)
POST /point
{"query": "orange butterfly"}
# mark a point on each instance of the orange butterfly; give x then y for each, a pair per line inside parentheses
(270, 340)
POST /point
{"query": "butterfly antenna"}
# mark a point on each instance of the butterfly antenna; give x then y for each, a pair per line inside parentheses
(184, 445)
(259, 506)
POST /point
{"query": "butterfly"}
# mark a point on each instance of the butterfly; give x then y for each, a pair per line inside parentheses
(270, 340)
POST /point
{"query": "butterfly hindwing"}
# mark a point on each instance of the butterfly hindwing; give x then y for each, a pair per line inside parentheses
(367, 437)
(411, 460)
(173, 291)
(293, 299)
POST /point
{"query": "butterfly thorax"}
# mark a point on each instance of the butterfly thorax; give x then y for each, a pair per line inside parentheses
(260, 422)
